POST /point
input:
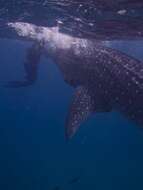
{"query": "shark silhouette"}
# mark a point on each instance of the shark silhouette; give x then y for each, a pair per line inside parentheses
(103, 78)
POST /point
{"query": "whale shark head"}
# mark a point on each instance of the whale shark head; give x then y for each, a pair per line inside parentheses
(51, 37)
(31, 31)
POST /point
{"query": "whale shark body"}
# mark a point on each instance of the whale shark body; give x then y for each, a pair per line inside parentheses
(104, 79)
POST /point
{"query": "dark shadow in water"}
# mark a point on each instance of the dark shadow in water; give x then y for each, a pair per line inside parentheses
(56, 188)
(74, 180)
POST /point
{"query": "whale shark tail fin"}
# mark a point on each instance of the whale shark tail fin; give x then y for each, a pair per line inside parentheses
(81, 108)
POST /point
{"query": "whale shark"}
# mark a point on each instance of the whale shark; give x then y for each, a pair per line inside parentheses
(103, 78)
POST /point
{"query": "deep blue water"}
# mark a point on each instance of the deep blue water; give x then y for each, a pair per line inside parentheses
(106, 153)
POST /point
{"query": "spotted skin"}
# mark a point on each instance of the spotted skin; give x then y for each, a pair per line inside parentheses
(110, 76)
(103, 78)
(81, 107)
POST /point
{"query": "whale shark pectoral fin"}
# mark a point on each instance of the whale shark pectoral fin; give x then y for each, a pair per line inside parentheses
(30, 66)
(81, 108)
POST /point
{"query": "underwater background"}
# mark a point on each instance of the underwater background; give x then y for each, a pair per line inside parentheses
(106, 153)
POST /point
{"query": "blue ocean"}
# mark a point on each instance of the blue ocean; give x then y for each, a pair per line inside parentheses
(105, 154)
